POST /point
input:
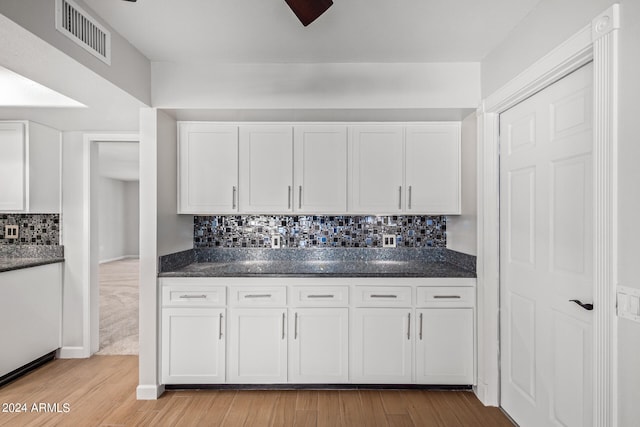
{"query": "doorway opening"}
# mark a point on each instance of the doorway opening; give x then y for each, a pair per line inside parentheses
(118, 246)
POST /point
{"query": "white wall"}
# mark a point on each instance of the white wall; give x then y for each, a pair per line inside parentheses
(132, 218)
(162, 232)
(129, 69)
(73, 226)
(462, 230)
(230, 86)
(548, 25)
(117, 218)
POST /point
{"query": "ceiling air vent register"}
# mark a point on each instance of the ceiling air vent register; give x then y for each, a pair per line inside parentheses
(75, 23)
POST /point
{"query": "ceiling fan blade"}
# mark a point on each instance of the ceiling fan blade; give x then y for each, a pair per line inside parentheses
(308, 11)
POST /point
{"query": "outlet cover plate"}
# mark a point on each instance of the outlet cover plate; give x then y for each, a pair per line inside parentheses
(11, 232)
(388, 241)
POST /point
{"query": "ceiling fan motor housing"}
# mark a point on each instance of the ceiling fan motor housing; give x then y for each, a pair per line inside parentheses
(308, 11)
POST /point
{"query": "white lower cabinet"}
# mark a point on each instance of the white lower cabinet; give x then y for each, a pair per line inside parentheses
(193, 346)
(444, 346)
(381, 345)
(318, 346)
(257, 345)
(317, 331)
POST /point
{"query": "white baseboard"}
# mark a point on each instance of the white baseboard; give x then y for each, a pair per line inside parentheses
(482, 393)
(149, 392)
(104, 261)
(72, 353)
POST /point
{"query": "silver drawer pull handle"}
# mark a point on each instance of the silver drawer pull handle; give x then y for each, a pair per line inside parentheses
(258, 296)
(409, 326)
(220, 328)
(447, 297)
(383, 296)
(282, 325)
(420, 333)
(193, 296)
(321, 296)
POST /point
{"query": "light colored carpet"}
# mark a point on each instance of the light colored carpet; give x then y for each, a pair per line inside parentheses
(119, 307)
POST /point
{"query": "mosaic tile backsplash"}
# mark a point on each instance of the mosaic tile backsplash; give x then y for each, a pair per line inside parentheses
(35, 229)
(255, 231)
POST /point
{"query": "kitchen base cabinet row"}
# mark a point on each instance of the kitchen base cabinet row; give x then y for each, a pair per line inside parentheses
(249, 341)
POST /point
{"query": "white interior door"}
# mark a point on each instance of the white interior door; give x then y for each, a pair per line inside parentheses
(546, 255)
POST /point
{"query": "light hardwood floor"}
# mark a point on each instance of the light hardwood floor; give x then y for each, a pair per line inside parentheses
(100, 391)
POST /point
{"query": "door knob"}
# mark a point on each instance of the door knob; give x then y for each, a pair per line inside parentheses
(583, 305)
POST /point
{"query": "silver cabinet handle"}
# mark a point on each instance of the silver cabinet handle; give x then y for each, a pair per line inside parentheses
(383, 296)
(400, 197)
(409, 201)
(295, 327)
(409, 326)
(420, 332)
(321, 296)
(447, 297)
(220, 328)
(282, 325)
(233, 197)
(193, 296)
(300, 197)
(289, 197)
(258, 296)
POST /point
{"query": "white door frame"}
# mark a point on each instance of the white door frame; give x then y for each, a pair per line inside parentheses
(90, 249)
(597, 42)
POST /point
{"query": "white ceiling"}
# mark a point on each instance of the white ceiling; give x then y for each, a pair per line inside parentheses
(350, 31)
(119, 160)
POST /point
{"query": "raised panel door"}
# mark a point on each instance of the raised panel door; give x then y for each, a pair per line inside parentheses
(319, 345)
(208, 168)
(266, 169)
(377, 169)
(433, 169)
(320, 169)
(193, 346)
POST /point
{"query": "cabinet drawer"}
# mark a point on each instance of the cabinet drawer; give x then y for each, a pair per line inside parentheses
(259, 296)
(449, 296)
(382, 296)
(320, 296)
(193, 296)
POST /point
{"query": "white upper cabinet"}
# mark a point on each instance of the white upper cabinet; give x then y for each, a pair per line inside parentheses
(207, 168)
(317, 168)
(432, 174)
(377, 157)
(29, 168)
(266, 169)
(320, 167)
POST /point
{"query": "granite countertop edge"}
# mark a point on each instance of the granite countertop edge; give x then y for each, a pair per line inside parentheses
(15, 257)
(347, 263)
(20, 263)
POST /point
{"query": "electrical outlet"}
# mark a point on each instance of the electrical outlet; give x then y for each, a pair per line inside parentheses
(388, 241)
(276, 241)
(11, 232)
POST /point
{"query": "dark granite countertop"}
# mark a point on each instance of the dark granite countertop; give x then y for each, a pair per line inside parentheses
(17, 257)
(397, 262)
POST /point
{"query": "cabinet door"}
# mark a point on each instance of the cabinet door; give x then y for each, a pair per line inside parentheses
(444, 346)
(320, 169)
(193, 346)
(266, 169)
(257, 346)
(381, 345)
(318, 345)
(208, 168)
(433, 169)
(377, 156)
(12, 167)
